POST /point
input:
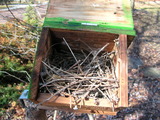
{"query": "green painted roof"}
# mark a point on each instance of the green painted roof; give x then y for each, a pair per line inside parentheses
(119, 27)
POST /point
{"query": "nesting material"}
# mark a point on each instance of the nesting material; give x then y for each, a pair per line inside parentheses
(82, 75)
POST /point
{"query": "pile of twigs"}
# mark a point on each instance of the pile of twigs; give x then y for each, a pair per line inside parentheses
(81, 75)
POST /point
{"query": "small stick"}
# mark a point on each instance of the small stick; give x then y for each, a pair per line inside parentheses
(55, 114)
(45, 86)
(50, 68)
(99, 52)
(86, 58)
(74, 65)
(56, 80)
(104, 94)
(97, 78)
(63, 71)
(52, 95)
(73, 55)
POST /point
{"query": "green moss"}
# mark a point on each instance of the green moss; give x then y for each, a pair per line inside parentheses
(9, 93)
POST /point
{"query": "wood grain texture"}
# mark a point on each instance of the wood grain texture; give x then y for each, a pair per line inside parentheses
(86, 106)
(123, 71)
(109, 16)
(77, 111)
(40, 54)
(80, 40)
(87, 10)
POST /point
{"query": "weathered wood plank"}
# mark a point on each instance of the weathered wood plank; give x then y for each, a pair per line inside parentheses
(123, 71)
(112, 16)
(80, 40)
(55, 100)
(86, 106)
(90, 10)
(77, 111)
(40, 54)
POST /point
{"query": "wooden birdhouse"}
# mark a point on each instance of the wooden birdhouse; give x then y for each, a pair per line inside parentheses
(81, 60)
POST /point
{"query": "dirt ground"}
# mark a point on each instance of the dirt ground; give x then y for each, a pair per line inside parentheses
(144, 70)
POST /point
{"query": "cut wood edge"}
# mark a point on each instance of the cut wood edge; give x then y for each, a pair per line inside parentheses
(123, 71)
(34, 83)
(85, 106)
(77, 111)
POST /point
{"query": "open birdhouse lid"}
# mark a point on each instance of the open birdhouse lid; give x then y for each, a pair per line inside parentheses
(111, 16)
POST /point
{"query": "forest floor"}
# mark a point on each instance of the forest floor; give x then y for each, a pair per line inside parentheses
(144, 70)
